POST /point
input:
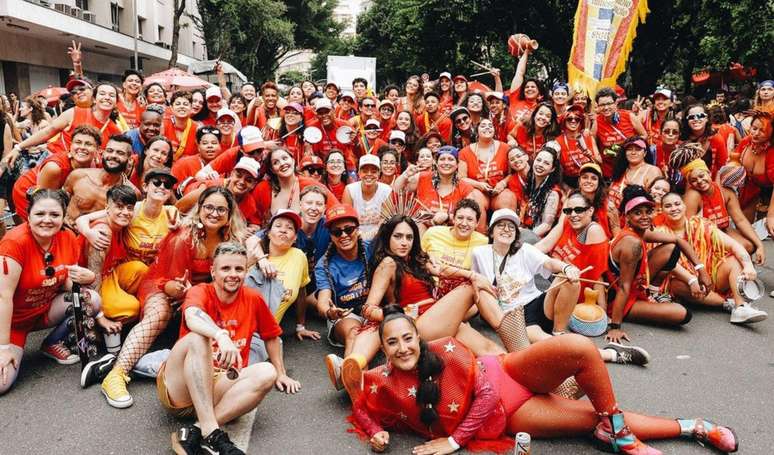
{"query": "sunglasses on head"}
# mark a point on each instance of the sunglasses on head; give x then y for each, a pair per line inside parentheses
(207, 130)
(338, 232)
(158, 183)
(699, 116)
(48, 258)
(576, 210)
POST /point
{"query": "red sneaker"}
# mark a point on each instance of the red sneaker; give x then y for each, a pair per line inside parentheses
(60, 353)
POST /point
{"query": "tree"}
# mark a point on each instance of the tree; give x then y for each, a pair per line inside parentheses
(178, 7)
(292, 77)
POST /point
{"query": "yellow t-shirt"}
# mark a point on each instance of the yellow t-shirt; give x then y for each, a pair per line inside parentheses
(293, 271)
(440, 243)
(144, 235)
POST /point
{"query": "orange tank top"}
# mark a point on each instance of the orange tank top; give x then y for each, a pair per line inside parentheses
(714, 207)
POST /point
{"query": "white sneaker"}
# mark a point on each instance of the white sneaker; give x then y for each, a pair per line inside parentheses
(745, 314)
(333, 364)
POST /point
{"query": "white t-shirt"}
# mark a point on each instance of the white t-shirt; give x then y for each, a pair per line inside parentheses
(516, 285)
(369, 212)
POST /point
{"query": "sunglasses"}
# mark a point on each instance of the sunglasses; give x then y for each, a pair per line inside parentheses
(576, 210)
(461, 119)
(700, 116)
(369, 105)
(313, 170)
(671, 132)
(48, 258)
(207, 130)
(158, 183)
(338, 232)
(573, 119)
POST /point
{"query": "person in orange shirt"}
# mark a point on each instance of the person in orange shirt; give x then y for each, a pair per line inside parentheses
(612, 127)
(208, 143)
(181, 129)
(433, 118)
(345, 108)
(259, 115)
(228, 124)
(497, 112)
(386, 118)
(39, 265)
(52, 172)
(328, 126)
(129, 103)
(368, 141)
(541, 128)
(214, 100)
(446, 92)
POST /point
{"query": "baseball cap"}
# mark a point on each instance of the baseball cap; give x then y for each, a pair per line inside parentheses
(311, 160)
(635, 140)
(289, 214)
(663, 91)
(504, 214)
(445, 74)
(347, 94)
(591, 167)
(340, 212)
(72, 83)
(164, 172)
(498, 95)
(323, 103)
(372, 122)
(460, 77)
(373, 160)
(386, 102)
(250, 138)
(213, 92)
(249, 164)
(332, 84)
(398, 134)
(636, 202)
(448, 150)
(226, 112)
(296, 107)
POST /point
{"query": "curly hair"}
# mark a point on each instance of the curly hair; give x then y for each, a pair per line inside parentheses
(538, 192)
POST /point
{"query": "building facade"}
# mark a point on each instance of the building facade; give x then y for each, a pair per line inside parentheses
(35, 35)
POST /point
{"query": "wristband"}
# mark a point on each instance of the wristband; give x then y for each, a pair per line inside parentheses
(453, 443)
(221, 332)
(613, 326)
(99, 315)
(698, 266)
(300, 327)
(564, 269)
(692, 281)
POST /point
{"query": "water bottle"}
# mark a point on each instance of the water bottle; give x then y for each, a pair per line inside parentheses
(522, 444)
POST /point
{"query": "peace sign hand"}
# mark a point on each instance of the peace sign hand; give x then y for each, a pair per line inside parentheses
(74, 51)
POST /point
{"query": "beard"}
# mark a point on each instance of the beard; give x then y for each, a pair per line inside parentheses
(117, 169)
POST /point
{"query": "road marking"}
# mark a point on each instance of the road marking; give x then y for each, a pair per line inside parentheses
(241, 429)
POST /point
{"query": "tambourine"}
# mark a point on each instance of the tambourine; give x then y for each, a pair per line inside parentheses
(750, 290)
(344, 134)
(312, 135)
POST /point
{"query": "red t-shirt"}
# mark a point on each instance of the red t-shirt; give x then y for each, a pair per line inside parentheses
(519, 108)
(443, 126)
(575, 153)
(329, 142)
(244, 316)
(225, 162)
(131, 116)
(609, 135)
(530, 144)
(247, 204)
(35, 291)
(429, 196)
(30, 180)
(491, 172)
(186, 145)
(186, 167)
(83, 116)
(116, 252)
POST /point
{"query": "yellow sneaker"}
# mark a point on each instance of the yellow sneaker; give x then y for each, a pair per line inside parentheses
(114, 389)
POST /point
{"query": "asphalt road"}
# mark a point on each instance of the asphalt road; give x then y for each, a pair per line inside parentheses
(709, 368)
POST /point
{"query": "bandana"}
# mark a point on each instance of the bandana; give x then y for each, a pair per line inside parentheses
(692, 166)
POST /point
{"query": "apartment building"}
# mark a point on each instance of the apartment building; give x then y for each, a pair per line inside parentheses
(35, 35)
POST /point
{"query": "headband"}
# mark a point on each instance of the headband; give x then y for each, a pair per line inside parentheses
(768, 82)
(692, 166)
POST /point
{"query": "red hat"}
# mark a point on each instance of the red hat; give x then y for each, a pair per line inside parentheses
(340, 212)
(311, 160)
(460, 77)
(289, 214)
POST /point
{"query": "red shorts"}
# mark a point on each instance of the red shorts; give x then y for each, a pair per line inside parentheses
(512, 394)
(20, 330)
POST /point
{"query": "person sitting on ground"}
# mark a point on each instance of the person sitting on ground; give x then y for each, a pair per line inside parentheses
(542, 192)
(367, 195)
(213, 381)
(39, 260)
(459, 400)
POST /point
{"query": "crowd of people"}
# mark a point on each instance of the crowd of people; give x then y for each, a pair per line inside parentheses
(396, 217)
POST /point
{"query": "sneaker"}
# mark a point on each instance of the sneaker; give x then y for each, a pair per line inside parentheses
(114, 389)
(746, 314)
(149, 364)
(625, 355)
(218, 443)
(612, 435)
(721, 438)
(333, 362)
(187, 440)
(59, 353)
(352, 375)
(96, 370)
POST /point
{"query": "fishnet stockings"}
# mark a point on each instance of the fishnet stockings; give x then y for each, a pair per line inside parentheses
(156, 315)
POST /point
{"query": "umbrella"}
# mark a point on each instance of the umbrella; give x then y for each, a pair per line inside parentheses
(208, 66)
(52, 94)
(175, 77)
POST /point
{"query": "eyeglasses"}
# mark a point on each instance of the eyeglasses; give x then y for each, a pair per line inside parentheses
(576, 210)
(369, 105)
(573, 119)
(461, 119)
(209, 208)
(158, 183)
(700, 116)
(609, 103)
(338, 232)
(48, 258)
(313, 170)
(335, 161)
(672, 132)
(509, 227)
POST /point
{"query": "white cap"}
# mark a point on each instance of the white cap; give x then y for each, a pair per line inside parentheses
(504, 214)
(226, 112)
(398, 134)
(249, 164)
(250, 138)
(445, 74)
(663, 91)
(347, 94)
(369, 159)
(373, 122)
(323, 103)
(213, 92)
(498, 95)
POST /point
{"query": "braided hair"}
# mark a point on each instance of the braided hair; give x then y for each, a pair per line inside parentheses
(429, 368)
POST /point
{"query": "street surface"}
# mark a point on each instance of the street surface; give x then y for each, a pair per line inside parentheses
(708, 369)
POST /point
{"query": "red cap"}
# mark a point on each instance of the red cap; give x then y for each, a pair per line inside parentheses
(340, 212)
(289, 214)
(311, 160)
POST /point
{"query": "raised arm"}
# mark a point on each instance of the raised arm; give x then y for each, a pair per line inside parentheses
(521, 70)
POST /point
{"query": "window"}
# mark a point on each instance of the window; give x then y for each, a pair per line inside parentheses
(82, 4)
(115, 15)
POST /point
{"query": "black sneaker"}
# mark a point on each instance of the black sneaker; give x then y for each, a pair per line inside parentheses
(187, 440)
(218, 443)
(634, 355)
(96, 370)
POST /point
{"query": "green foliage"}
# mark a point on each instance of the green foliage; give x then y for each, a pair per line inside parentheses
(291, 77)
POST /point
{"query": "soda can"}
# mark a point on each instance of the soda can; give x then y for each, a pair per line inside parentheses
(523, 441)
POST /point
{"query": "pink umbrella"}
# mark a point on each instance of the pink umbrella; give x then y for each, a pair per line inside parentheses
(175, 77)
(52, 94)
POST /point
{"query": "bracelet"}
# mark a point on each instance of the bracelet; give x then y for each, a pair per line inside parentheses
(698, 266)
(261, 258)
(99, 315)
(453, 443)
(300, 327)
(613, 326)
(692, 281)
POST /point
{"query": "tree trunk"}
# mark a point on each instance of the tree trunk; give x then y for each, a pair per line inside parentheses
(177, 11)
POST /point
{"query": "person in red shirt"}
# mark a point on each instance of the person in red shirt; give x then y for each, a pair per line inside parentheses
(312, 167)
(212, 354)
(654, 117)
(208, 143)
(541, 128)
(214, 99)
(386, 118)
(612, 127)
(696, 127)
(52, 172)
(368, 141)
(291, 131)
(328, 126)
(497, 112)
(433, 118)
(39, 264)
(251, 144)
(228, 123)
(259, 115)
(129, 103)
(345, 108)
(576, 145)
(180, 129)
(335, 176)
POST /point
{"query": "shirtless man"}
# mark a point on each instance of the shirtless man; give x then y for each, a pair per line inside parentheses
(88, 187)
